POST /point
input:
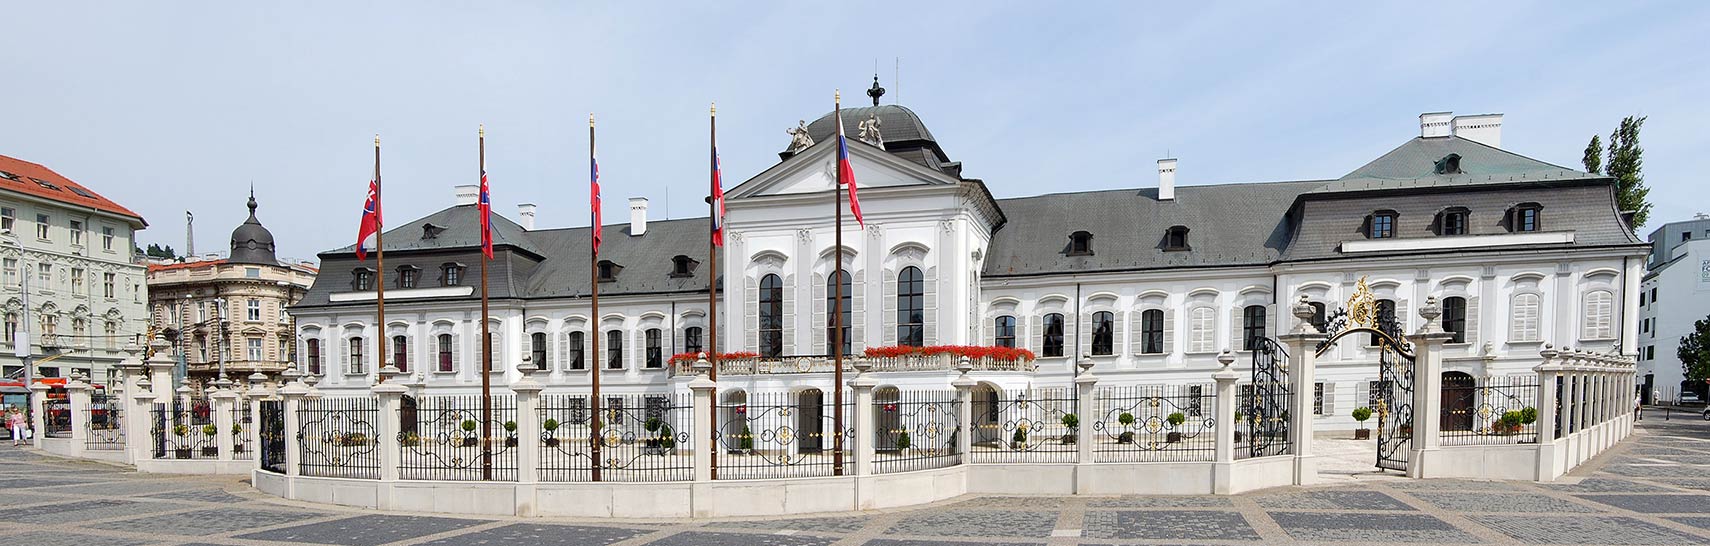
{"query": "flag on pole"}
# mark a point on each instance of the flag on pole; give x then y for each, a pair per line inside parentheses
(485, 209)
(718, 201)
(370, 219)
(846, 172)
(594, 195)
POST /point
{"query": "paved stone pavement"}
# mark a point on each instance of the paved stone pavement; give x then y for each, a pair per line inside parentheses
(1652, 489)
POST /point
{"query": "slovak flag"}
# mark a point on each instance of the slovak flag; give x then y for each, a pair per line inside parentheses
(718, 201)
(370, 219)
(484, 208)
(846, 172)
(594, 196)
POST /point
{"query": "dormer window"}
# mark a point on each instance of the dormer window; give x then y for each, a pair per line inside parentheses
(1453, 221)
(1526, 217)
(1382, 225)
(1449, 164)
(430, 231)
(362, 279)
(1175, 238)
(1080, 243)
(683, 266)
(409, 276)
(450, 274)
(608, 271)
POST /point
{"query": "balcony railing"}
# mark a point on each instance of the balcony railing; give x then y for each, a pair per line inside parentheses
(801, 364)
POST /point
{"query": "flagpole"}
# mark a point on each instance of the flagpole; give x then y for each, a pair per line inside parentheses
(380, 267)
(712, 290)
(486, 337)
(837, 299)
(594, 318)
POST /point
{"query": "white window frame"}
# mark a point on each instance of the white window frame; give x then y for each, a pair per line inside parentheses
(1597, 319)
(1525, 315)
(1202, 330)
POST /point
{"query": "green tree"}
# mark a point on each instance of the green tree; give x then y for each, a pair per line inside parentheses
(1626, 166)
(1694, 351)
(1593, 159)
(162, 252)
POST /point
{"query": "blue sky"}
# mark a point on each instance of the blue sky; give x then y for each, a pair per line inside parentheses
(167, 107)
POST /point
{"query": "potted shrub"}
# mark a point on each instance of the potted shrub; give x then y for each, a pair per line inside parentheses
(667, 439)
(1176, 419)
(1072, 422)
(652, 440)
(210, 449)
(237, 438)
(1019, 439)
(551, 427)
(1528, 415)
(510, 434)
(1127, 421)
(469, 438)
(902, 441)
(1361, 414)
(1509, 423)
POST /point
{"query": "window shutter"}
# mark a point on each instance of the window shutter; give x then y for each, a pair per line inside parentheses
(1136, 334)
(635, 350)
(302, 355)
(992, 331)
(1362, 395)
(821, 316)
(1271, 321)
(1036, 334)
(929, 308)
(1084, 330)
(888, 319)
(1402, 317)
(789, 315)
(562, 359)
(456, 352)
(1472, 319)
(857, 291)
(1169, 331)
(1329, 398)
(750, 318)
(1236, 341)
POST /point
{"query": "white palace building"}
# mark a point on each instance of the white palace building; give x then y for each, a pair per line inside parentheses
(1150, 284)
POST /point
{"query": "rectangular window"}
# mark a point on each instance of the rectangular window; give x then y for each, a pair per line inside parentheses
(537, 350)
(575, 358)
(11, 271)
(1053, 342)
(1454, 223)
(451, 275)
(252, 312)
(356, 361)
(1252, 327)
(1152, 331)
(407, 277)
(1005, 333)
(445, 352)
(1203, 331)
(252, 272)
(614, 350)
(1104, 333)
(313, 346)
(1526, 219)
(692, 340)
(255, 350)
(77, 281)
(655, 355)
(107, 239)
(107, 281)
(42, 223)
(44, 276)
(1196, 400)
(1383, 226)
(8, 217)
(76, 233)
(401, 353)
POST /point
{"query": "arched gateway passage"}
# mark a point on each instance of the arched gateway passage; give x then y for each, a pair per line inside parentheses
(1392, 393)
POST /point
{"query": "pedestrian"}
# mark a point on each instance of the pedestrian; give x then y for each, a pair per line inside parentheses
(17, 423)
(1638, 407)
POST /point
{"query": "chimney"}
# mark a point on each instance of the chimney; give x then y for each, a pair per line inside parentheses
(637, 216)
(1435, 124)
(525, 212)
(1167, 179)
(467, 194)
(1484, 129)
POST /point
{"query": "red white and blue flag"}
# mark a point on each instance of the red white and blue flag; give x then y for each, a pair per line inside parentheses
(594, 195)
(845, 172)
(718, 201)
(370, 219)
(484, 208)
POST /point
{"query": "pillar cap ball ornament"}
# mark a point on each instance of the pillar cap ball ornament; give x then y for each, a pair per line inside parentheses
(1226, 358)
(964, 364)
(311, 381)
(257, 378)
(1431, 310)
(144, 383)
(861, 365)
(390, 370)
(702, 366)
(1086, 362)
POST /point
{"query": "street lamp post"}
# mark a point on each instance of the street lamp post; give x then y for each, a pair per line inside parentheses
(21, 338)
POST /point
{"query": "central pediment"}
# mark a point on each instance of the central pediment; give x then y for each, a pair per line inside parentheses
(814, 170)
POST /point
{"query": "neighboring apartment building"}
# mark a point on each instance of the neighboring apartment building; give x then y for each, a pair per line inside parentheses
(230, 313)
(77, 259)
(1674, 295)
(1149, 283)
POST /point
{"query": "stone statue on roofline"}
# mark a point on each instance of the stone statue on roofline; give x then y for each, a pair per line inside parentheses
(869, 131)
(799, 137)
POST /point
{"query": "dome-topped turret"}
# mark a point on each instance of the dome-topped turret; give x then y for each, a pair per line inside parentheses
(900, 132)
(252, 243)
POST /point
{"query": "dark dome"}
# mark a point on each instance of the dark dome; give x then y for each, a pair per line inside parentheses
(903, 132)
(252, 243)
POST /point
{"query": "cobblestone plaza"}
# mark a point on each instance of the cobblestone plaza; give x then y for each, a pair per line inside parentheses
(1652, 489)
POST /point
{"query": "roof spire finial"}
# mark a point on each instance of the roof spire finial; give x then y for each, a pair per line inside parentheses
(876, 91)
(252, 199)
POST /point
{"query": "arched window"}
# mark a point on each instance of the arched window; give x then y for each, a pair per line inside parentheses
(771, 316)
(313, 345)
(911, 317)
(1152, 331)
(537, 350)
(1104, 333)
(356, 361)
(1080, 243)
(1317, 315)
(655, 353)
(1202, 330)
(576, 348)
(1004, 328)
(1455, 318)
(614, 349)
(1053, 342)
(692, 340)
(443, 342)
(837, 292)
(1525, 317)
(1176, 238)
(1599, 321)
(401, 353)
(1252, 326)
(1385, 314)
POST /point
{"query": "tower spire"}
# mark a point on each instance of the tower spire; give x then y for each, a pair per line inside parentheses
(876, 91)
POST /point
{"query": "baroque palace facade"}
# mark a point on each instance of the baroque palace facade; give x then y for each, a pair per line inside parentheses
(1150, 284)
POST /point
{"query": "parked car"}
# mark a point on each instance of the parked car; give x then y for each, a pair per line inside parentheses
(1689, 398)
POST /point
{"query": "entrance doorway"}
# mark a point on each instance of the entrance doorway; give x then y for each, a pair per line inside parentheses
(1459, 401)
(810, 408)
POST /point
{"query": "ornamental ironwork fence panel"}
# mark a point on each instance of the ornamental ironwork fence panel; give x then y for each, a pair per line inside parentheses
(243, 431)
(176, 435)
(915, 430)
(642, 438)
(1035, 426)
(57, 421)
(447, 438)
(1148, 423)
(271, 434)
(1265, 406)
(1489, 410)
(336, 437)
(783, 435)
(104, 424)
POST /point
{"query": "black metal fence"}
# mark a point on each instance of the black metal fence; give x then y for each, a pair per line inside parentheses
(56, 422)
(1147, 423)
(784, 435)
(642, 438)
(177, 435)
(1262, 422)
(1036, 426)
(104, 424)
(243, 431)
(915, 430)
(1489, 410)
(448, 438)
(271, 435)
(336, 437)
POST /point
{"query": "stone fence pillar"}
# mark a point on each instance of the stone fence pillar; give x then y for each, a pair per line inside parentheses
(1302, 345)
(1224, 451)
(866, 434)
(1549, 420)
(1085, 406)
(389, 397)
(293, 394)
(964, 409)
(705, 442)
(78, 403)
(38, 412)
(1427, 389)
(139, 420)
(528, 436)
(223, 404)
